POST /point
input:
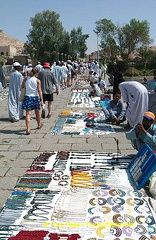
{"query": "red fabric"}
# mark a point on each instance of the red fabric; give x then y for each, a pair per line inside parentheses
(30, 235)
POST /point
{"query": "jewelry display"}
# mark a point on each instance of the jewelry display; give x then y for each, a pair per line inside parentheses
(72, 196)
(82, 124)
(81, 195)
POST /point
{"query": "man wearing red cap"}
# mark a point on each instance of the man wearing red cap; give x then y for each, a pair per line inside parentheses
(47, 85)
(144, 132)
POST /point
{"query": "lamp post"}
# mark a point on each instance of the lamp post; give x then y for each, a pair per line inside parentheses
(62, 57)
(58, 56)
(65, 57)
(97, 33)
(132, 64)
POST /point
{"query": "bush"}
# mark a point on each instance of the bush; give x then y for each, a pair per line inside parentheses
(146, 72)
(2, 59)
(132, 71)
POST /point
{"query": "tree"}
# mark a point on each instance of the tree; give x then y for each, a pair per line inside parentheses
(107, 31)
(131, 37)
(146, 56)
(78, 42)
(45, 37)
(65, 45)
(121, 42)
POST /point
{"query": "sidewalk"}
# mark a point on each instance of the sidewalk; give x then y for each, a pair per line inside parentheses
(17, 150)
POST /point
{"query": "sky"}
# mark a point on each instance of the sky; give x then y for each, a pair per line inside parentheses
(15, 15)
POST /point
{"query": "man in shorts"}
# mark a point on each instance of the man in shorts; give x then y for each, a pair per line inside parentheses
(48, 81)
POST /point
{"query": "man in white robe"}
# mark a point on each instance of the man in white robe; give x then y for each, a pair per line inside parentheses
(14, 105)
(136, 97)
(58, 74)
(2, 74)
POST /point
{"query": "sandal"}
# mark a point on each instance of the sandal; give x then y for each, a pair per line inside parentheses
(40, 126)
(28, 132)
(49, 115)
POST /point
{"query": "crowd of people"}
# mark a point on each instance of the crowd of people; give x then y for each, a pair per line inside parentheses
(132, 101)
(40, 83)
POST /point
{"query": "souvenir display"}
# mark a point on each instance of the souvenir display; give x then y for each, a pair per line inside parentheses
(69, 195)
(77, 195)
(82, 123)
(80, 98)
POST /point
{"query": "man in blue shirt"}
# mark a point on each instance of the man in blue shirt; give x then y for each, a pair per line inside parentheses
(116, 109)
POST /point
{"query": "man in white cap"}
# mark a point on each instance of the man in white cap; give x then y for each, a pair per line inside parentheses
(14, 106)
(39, 67)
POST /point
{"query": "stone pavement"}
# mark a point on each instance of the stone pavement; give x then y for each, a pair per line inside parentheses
(17, 150)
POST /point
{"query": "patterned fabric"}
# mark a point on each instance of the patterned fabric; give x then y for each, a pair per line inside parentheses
(31, 103)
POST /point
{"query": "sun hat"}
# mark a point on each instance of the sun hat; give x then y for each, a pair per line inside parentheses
(16, 64)
(29, 65)
(46, 64)
(149, 115)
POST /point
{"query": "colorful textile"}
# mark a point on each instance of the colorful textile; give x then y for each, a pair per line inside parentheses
(31, 103)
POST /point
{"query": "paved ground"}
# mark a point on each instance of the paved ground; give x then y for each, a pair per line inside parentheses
(17, 150)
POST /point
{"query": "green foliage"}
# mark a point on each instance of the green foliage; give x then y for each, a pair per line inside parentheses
(146, 72)
(132, 71)
(2, 59)
(45, 35)
(78, 42)
(132, 36)
(48, 41)
(122, 42)
(107, 31)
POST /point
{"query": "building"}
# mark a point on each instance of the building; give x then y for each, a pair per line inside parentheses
(12, 49)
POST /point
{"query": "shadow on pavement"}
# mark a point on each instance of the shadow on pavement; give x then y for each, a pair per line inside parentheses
(17, 132)
(4, 120)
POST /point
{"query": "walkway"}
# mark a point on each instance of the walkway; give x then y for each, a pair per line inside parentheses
(17, 150)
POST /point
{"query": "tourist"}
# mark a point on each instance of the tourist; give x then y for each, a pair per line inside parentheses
(33, 98)
(103, 70)
(48, 81)
(14, 105)
(97, 68)
(64, 71)
(58, 74)
(39, 67)
(25, 68)
(69, 74)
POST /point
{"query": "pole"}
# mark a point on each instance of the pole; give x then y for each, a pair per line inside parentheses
(132, 71)
(98, 47)
(97, 33)
(62, 56)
